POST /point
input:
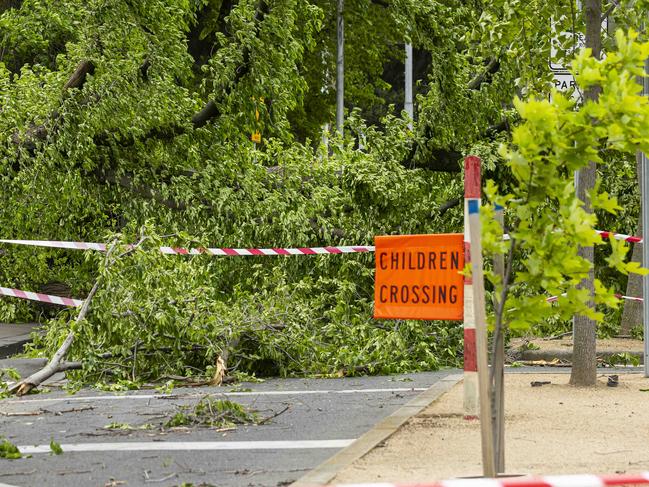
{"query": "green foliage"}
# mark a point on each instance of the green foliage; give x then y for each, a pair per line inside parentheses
(623, 358)
(213, 413)
(164, 315)
(549, 222)
(55, 448)
(7, 374)
(122, 154)
(8, 450)
(10, 373)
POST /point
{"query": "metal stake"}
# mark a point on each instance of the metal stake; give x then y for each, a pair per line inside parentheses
(340, 69)
(408, 104)
(644, 193)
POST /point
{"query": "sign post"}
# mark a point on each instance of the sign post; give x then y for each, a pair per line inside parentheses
(471, 186)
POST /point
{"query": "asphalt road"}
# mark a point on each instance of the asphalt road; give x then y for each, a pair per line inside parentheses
(320, 416)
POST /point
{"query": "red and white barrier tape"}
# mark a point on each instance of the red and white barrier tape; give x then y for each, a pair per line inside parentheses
(629, 298)
(552, 299)
(58, 244)
(603, 234)
(272, 251)
(44, 298)
(619, 236)
(224, 251)
(204, 251)
(545, 481)
(48, 298)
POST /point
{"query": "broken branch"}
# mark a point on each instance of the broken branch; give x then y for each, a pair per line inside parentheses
(25, 385)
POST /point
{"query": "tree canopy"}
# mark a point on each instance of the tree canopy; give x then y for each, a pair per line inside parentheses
(133, 118)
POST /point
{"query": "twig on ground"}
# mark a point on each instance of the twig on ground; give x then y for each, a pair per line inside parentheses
(73, 410)
(148, 479)
(10, 474)
(266, 420)
(24, 413)
(559, 336)
(70, 472)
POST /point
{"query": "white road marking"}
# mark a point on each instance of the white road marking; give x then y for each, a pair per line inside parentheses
(190, 445)
(229, 394)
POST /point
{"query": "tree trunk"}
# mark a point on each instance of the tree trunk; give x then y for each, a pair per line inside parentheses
(632, 314)
(584, 359)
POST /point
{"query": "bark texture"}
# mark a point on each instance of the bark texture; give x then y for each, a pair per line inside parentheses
(632, 314)
(584, 359)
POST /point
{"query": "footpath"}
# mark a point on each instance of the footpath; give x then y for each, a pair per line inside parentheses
(551, 428)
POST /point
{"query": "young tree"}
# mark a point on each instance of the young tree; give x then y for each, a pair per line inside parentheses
(550, 223)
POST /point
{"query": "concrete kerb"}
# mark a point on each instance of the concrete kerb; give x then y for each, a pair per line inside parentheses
(326, 471)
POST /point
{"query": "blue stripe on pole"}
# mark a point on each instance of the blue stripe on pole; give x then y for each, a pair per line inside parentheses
(474, 206)
(498, 207)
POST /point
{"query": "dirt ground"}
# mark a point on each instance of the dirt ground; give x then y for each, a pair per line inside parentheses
(615, 345)
(551, 429)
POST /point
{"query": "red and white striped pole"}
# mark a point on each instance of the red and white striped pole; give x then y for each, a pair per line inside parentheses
(471, 191)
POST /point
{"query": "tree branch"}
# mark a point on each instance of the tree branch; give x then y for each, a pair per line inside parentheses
(25, 385)
(208, 112)
(78, 77)
(491, 68)
(448, 205)
(609, 11)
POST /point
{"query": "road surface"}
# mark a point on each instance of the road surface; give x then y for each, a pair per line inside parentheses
(320, 417)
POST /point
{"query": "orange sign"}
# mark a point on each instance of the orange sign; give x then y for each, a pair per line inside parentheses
(419, 277)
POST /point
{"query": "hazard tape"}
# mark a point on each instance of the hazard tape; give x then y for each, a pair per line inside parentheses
(224, 251)
(58, 244)
(604, 234)
(619, 236)
(545, 481)
(629, 298)
(272, 251)
(44, 298)
(553, 299)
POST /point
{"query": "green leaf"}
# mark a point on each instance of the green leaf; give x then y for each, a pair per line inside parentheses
(55, 448)
(8, 450)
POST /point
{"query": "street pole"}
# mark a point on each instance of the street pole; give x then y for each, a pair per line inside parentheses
(408, 105)
(340, 69)
(644, 193)
(498, 362)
